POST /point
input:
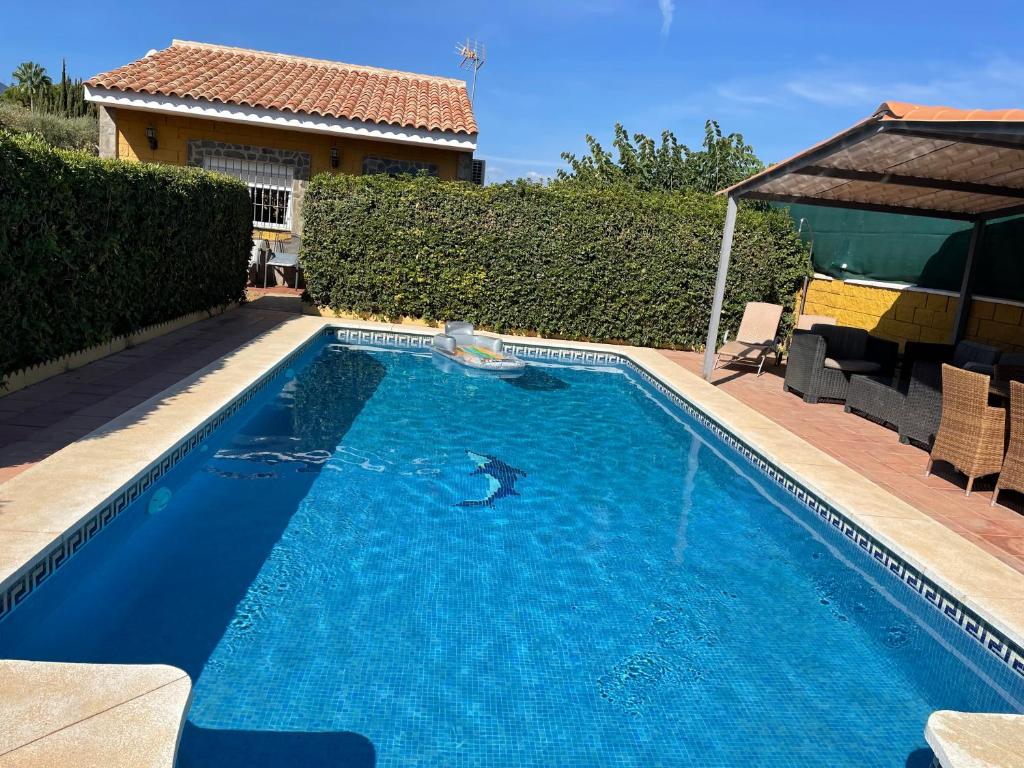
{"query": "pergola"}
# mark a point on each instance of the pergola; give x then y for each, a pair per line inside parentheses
(924, 161)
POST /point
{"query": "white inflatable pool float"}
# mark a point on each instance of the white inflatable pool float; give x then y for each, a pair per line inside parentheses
(461, 344)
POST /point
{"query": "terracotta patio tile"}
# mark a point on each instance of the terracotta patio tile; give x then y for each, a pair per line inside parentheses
(40, 420)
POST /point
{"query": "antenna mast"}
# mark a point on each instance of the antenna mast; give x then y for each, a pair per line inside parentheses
(473, 56)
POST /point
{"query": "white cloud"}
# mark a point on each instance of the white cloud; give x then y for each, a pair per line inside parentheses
(668, 10)
(980, 83)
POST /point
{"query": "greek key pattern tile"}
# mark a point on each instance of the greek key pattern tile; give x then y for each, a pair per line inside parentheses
(398, 339)
(15, 590)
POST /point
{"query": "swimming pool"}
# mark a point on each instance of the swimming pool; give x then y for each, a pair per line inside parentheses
(380, 559)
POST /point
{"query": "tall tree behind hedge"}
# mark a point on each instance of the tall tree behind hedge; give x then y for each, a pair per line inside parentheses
(32, 80)
(723, 160)
(35, 90)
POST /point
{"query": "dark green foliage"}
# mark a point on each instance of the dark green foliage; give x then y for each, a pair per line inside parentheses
(92, 249)
(571, 260)
(721, 162)
(56, 112)
(63, 132)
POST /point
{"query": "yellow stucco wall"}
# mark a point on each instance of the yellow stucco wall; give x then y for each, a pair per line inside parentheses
(174, 133)
(912, 315)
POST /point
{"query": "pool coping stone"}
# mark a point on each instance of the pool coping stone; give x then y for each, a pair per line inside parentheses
(114, 715)
(976, 740)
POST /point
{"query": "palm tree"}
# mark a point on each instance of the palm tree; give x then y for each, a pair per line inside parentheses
(32, 77)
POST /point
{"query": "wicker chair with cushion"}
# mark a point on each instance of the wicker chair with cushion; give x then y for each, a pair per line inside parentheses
(913, 403)
(918, 421)
(1012, 475)
(972, 432)
(971, 355)
(821, 363)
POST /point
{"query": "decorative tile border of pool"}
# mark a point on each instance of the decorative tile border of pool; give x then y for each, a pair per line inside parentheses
(976, 628)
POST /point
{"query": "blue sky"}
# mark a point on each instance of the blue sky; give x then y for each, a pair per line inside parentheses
(785, 73)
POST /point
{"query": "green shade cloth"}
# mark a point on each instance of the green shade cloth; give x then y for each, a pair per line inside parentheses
(918, 250)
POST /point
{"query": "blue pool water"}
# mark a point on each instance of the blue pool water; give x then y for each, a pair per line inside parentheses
(379, 562)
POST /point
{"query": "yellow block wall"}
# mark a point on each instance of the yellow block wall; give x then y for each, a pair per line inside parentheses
(909, 315)
(173, 134)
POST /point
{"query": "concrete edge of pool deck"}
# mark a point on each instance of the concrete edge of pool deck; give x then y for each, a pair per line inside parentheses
(44, 503)
(112, 715)
(975, 740)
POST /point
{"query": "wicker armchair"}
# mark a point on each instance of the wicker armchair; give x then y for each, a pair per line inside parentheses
(913, 407)
(1012, 476)
(970, 355)
(913, 403)
(821, 363)
(921, 414)
(971, 433)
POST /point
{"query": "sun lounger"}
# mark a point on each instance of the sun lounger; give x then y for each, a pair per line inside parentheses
(757, 336)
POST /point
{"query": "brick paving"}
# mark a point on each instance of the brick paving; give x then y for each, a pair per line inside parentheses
(876, 453)
(40, 420)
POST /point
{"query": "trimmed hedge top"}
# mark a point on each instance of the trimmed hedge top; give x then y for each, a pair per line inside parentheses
(565, 260)
(93, 249)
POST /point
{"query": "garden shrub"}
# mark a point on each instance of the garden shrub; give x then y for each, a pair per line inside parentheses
(568, 260)
(56, 130)
(93, 249)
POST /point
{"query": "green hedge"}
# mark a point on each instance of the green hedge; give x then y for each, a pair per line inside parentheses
(93, 249)
(564, 260)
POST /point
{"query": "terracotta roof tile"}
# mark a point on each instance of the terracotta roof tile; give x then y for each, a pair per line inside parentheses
(901, 110)
(294, 84)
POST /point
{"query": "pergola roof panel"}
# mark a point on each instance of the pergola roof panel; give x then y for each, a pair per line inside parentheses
(946, 163)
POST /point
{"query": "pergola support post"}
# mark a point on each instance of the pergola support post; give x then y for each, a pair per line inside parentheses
(963, 309)
(716, 303)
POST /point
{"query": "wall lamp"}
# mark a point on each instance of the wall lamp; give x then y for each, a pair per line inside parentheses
(335, 157)
(151, 137)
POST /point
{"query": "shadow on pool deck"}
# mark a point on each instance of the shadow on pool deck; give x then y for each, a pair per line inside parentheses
(209, 748)
(38, 421)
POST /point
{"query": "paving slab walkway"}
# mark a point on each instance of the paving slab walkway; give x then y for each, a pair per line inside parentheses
(38, 421)
(876, 453)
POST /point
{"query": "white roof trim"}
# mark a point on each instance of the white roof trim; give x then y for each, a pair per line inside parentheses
(273, 118)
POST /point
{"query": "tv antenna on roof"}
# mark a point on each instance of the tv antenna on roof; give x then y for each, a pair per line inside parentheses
(473, 57)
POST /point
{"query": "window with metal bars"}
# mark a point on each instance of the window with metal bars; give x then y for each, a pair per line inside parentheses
(270, 187)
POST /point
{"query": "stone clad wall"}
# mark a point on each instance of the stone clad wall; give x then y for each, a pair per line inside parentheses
(915, 315)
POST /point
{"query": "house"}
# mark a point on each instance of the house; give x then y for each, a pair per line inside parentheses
(275, 120)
